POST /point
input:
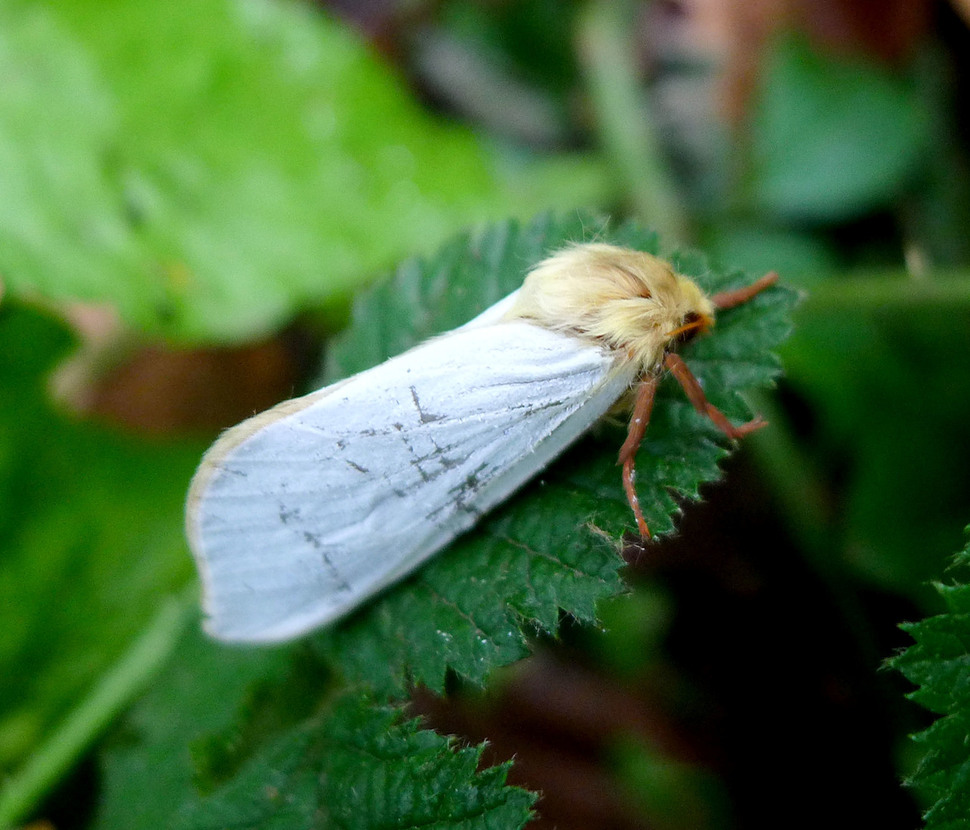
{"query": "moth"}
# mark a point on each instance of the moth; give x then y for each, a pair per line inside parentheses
(299, 514)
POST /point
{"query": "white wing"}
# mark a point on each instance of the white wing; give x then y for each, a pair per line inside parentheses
(300, 513)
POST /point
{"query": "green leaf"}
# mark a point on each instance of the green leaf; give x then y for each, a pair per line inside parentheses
(939, 663)
(361, 767)
(209, 168)
(886, 322)
(260, 758)
(209, 707)
(91, 534)
(91, 714)
(833, 138)
(544, 552)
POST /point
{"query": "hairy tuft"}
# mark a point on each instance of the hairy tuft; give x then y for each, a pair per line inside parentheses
(626, 300)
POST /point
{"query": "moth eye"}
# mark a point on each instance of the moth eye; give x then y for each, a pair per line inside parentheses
(692, 326)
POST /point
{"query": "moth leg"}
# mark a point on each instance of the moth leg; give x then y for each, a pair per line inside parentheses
(729, 299)
(695, 394)
(634, 436)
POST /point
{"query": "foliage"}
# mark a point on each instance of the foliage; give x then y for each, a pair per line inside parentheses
(209, 168)
(939, 663)
(811, 155)
(359, 764)
(85, 560)
(364, 766)
(208, 171)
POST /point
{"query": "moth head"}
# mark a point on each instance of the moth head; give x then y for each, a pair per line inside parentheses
(629, 301)
(693, 313)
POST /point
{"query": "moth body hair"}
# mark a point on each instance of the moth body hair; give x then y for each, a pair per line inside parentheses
(626, 300)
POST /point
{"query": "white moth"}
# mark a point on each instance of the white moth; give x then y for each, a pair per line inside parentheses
(299, 514)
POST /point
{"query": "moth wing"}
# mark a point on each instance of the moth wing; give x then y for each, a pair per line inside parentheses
(300, 513)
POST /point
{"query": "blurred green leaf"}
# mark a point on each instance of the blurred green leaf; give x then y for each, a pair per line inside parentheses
(364, 767)
(674, 794)
(356, 765)
(203, 710)
(211, 167)
(802, 259)
(532, 36)
(938, 213)
(90, 715)
(633, 629)
(833, 137)
(537, 556)
(939, 663)
(889, 383)
(91, 534)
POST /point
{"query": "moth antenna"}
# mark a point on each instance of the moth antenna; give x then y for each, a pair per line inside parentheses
(696, 324)
(729, 299)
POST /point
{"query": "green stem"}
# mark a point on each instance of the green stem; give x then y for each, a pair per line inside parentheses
(797, 486)
(889, 290)
(795, 482)
(605, 49)
(26, 787)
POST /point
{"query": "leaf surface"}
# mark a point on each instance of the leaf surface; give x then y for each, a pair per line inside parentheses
(364, 767)
(211, 168)
(833, 138)
(939, 663)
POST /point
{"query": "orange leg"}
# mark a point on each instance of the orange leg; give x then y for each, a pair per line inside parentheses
(695, 394)
(729, 299)
(638, 427)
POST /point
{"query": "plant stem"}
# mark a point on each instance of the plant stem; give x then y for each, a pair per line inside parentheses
(797, 485)
(605, 48)
(801, 497)
(889, 290)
